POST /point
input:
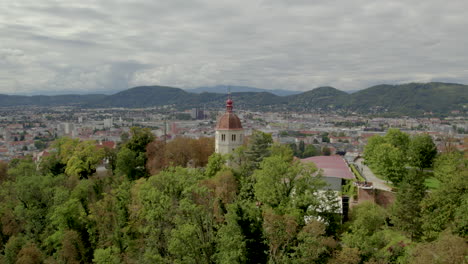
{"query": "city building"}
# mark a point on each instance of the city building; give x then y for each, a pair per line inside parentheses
(334, 170)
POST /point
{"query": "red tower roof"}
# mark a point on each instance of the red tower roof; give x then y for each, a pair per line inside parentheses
(229, 120)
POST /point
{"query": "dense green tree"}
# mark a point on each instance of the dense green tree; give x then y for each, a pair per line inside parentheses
(130, 164)
(12, 248)
(106, 256)
(301, 148)
(140, 138)
(282, 151)
(421, 151)
(110, 156)
(258, 147)
(389, 162)
(442, 207)
(325, 137)
(109, 219)
(193, 238)
(84, 160)
(230, 241)
(370, 150)
(34, 199)
(40, 145)
(261, 206)
(387, 155)
(294, 149)
(23, 168)
(397, 139)
(367, 220)
(131, 158)
(310, 151)
(250, 220)
(215, 163)
(156, 203)
(124, 137)
(407, 208)
(313, 244)
(278, 180)
(73, 157)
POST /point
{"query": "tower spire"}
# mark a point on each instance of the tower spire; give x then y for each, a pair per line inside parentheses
(229, 101)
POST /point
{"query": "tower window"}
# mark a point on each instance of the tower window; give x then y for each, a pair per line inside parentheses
(223, 137)
(233, 137)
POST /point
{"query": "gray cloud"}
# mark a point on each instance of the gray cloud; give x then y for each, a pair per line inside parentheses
(111, 45)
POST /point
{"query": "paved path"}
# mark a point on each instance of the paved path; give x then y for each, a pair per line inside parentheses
(370, 177)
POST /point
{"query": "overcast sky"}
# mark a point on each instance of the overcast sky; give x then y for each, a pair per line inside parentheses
(92, 46)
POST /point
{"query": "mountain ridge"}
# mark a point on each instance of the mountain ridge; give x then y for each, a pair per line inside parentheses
(223, 89)
(403, 99)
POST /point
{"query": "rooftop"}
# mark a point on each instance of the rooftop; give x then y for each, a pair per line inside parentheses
(332, 166)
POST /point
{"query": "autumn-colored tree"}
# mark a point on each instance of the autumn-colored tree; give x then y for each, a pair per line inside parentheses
(280, 231)
(346, 256)
(29, 254)
(186, 151)
(326, 151)
(181, 151)
(155, 151)
(3, 171)
(447, 249)
(73, 250)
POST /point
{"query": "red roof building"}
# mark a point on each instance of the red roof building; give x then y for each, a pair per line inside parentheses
(332, 166)
(104, 144)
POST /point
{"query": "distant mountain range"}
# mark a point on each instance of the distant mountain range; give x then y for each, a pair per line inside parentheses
(411, 99)
(223, 89)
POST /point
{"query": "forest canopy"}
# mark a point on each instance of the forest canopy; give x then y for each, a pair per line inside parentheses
(178, 202)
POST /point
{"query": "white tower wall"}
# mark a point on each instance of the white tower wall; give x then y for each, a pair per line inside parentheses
(226, 141)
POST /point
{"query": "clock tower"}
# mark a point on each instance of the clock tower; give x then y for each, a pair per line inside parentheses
(229, 132)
